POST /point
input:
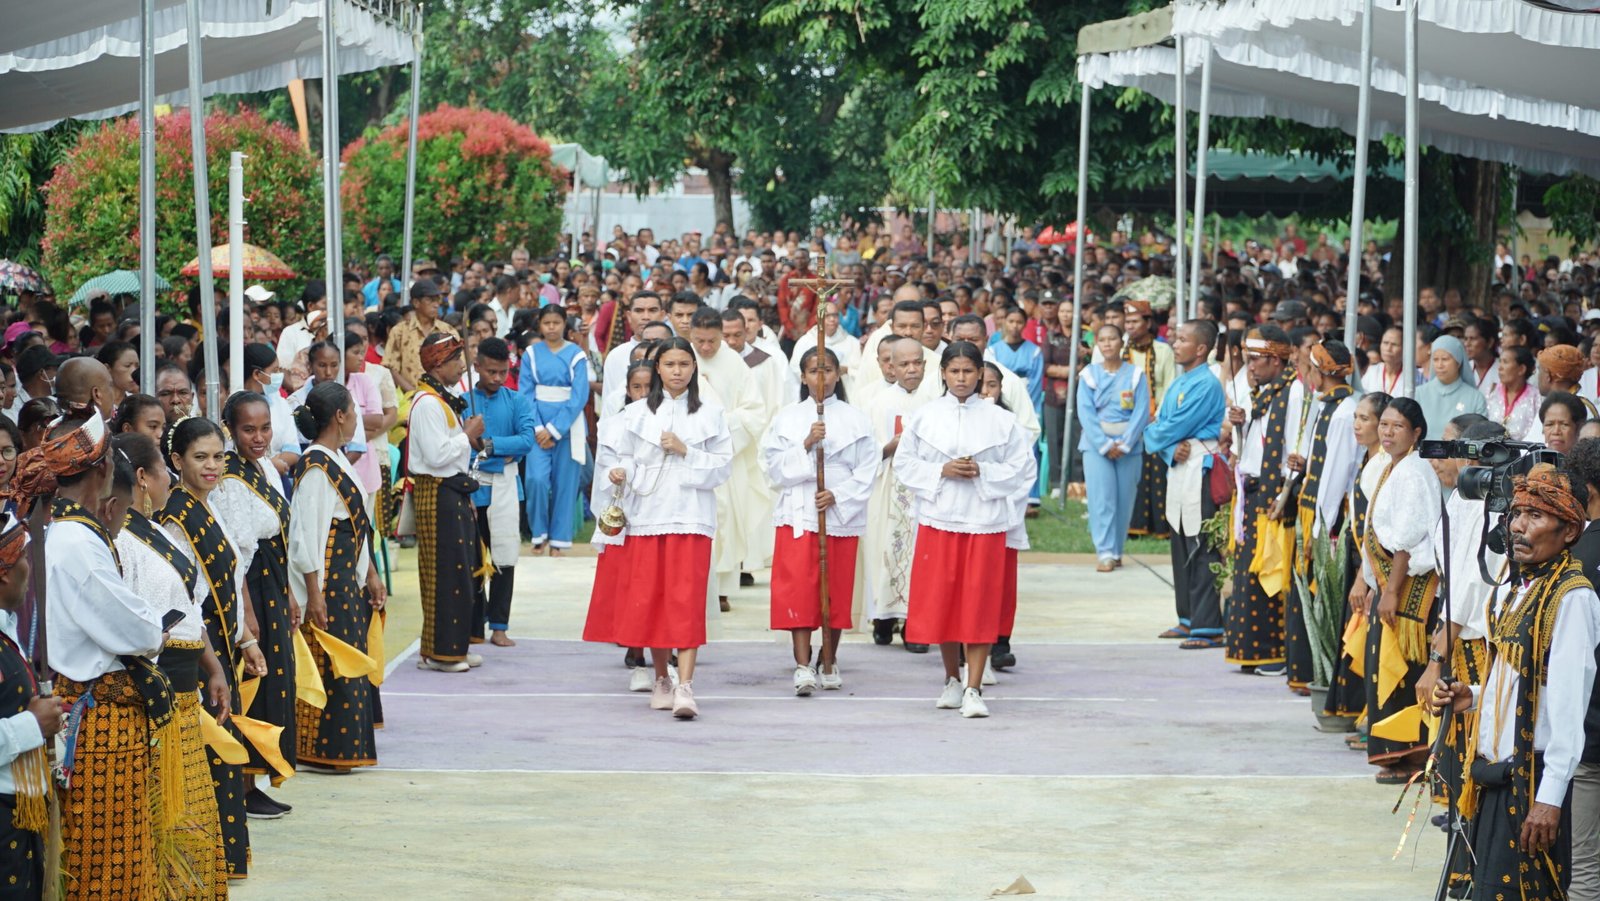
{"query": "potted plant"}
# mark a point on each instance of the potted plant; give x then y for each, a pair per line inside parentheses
(1323, 609)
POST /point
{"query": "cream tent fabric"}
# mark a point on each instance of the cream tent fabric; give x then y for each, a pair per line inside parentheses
(80, 58)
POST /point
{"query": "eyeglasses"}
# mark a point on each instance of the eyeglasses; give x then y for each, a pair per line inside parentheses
(8, 453)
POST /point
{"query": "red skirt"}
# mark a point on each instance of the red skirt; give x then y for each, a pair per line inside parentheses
(1008, 593)
(609, 568)
(659, 594)
(954, 592)
(796, 579)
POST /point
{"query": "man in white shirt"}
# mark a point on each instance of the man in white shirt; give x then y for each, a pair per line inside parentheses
(884, 572)
(1531, 707)
(442, 442)
(643, 307)
(843, 344)
(726, 379)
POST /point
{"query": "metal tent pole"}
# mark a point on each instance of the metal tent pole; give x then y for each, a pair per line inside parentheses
(235, 272)
(1202, 146)
(1180, 221)
(330, 174)
(202, 211)
(933, 213)
(1079, 295)
(1413, 223)
(147, 197)
(1358, 203)
(411, 159)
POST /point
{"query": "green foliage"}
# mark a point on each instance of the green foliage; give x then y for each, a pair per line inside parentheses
(26, 162)
(1218, 533)
(484, 183)
(1574, 207)
(92, 212)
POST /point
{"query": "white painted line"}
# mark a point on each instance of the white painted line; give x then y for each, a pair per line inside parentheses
(785, 698)
(412, 648)
(1212, 777)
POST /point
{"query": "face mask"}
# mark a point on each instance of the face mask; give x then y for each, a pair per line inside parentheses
(275, 382)
(608, 265)
(544, 278)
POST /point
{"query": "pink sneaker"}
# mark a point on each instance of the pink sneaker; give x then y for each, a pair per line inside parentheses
(661, 695)
(683, 705)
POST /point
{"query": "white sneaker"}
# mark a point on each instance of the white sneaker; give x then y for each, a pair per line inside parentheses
(672, 673)
(805, 681)
(641, 678)
(683, 705)
(474, 660)
(661, 695)
(832, 681)
(972, 705)
(988, 673)
(439, 666)
(950, 698)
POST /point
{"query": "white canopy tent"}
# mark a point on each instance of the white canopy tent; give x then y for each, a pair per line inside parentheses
(1500, 80)
(94, 59)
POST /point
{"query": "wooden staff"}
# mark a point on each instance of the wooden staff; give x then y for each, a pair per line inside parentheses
(823, 288)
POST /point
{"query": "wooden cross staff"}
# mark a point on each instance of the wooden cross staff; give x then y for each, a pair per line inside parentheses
(824, 289)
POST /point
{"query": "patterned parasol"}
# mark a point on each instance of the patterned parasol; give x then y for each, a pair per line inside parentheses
(1158, 289)
(117, 281)
(259, 265)
(16, 278)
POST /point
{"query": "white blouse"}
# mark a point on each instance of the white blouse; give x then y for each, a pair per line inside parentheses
(946, 429)
(1404, 512)
(669, 494)
(92, 615)
(438, 447)
(311, 514)
(156, 580)
(850, 460)
(606, 436)
(175, 532)
(247, 519)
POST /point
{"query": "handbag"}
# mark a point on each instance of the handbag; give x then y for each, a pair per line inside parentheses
(1220, 481)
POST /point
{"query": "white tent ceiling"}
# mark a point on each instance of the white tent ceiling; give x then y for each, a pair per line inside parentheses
(1261, 69)
(86, 65)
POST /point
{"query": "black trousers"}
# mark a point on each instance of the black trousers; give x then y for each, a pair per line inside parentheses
(1195, 586)
(494, 606)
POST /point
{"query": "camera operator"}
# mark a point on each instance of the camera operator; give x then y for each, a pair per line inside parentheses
(1469, 593)
(1583, 462)
(1529, 735)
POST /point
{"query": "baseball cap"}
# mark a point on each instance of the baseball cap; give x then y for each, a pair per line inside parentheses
(1591, 316)
(259, 293)
(35, 360)
(1289, 309)
(424, 287)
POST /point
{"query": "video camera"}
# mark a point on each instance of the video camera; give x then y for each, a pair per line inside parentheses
(1499, 461)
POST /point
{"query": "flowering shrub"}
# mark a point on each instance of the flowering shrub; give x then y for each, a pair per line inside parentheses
(92, 212)
(485, 184)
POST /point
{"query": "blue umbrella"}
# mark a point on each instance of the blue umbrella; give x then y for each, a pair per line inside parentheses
(119, 281)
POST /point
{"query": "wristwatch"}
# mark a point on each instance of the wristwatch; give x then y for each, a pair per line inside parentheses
(488, 447)
(1435, 656)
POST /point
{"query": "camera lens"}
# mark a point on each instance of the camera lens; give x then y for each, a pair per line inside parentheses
(1474, 482)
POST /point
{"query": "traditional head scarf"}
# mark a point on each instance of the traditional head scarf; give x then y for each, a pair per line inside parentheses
(78, 450)
(13, 541)
(1548, 490)
(1326, 364)
(1137, 307)
(1254, 343)
(1564, 362)
(439, 351)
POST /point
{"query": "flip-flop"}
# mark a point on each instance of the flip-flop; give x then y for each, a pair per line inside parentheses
(1179, 631)
(1200, 643)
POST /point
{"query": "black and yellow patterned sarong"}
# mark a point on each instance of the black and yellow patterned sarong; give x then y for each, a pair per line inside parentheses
(1253, 617)
(447, 558)
(107, 840)
(202, 873)
(340, 735)
(218, 563)
(1396, 657)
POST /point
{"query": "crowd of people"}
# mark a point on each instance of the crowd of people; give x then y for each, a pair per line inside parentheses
(207, 600)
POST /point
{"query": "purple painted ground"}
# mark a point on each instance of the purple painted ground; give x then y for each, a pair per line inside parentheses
(1121, 709)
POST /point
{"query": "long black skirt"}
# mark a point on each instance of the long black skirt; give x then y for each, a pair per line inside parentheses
(268, 580)
(340, 735)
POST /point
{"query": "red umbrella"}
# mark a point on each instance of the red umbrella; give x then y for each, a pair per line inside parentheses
(259, 264)
(1067, 235)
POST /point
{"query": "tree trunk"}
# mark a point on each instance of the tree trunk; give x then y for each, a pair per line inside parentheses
(1460, 257)
(719, 169)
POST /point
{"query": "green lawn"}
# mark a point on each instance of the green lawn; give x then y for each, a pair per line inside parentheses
(1068, 533)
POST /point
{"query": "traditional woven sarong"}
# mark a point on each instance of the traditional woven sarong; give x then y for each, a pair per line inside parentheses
(447, 555)
(1395, 657)
(108, 849)
(218, 563)
(1253, 617)
(202, 869)
(341, 733)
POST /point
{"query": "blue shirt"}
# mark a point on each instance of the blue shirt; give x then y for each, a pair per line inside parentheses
(508, 422)
(1027, 361)
(1192, 408)
(554, 370)
(369, 291)
(1120, 398)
